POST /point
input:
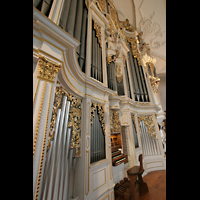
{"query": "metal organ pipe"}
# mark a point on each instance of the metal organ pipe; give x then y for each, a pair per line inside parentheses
(51, 169)
(63, 150)
(71, 18)
(64, 14)
(143, 83)
(96, 63)
(56, 167)
(66, 166)
(78, 24)
(138, 78)
(59, 146)
(83, 38)
(136, 91)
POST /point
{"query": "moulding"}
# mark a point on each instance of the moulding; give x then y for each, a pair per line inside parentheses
(44, 23)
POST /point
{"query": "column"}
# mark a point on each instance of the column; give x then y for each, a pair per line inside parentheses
(71, 18)
(47, 73)
(86, 145)
(159, 136)
(108, 147)
(138, 130)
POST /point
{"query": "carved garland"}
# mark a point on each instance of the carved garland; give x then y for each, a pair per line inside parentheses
(101, 113)
(149, 123)
(98, 32)
(74, 118)
(115, 125)
(153, 79)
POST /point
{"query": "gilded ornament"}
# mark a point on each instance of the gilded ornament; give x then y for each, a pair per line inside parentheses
(101, 5)
(47, 70)
(98, 32)
(110, 59)
(115, 124)
(149, 123)
(101, 113)
(74, 120)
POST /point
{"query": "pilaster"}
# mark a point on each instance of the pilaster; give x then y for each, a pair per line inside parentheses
(47, 73)
(158, 136)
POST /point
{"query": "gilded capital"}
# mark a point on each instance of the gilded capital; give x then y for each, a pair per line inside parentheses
(47, 70)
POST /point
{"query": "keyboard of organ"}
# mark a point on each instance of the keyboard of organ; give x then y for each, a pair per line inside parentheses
(117, 156)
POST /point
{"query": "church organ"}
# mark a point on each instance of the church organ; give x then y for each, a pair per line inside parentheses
(89, 77)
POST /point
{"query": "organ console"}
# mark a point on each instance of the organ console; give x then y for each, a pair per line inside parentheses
(117, 156)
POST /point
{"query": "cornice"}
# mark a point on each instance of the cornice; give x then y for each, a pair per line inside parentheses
(42, 22)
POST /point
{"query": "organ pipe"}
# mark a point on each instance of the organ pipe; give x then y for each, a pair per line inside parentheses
(63, 149)
(55, 181)
(138, 78)
(64, 14)
(83, 38)
(58, 153)
(78, 24)
(71, 18)
(136, 91)
(97, 146)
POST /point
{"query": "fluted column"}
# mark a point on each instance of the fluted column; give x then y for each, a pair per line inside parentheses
(41, 107)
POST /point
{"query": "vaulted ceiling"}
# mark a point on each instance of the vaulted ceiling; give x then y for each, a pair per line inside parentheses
(148, 16)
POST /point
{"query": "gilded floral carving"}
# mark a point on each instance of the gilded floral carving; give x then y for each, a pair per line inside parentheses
(47, 70)
(74, 120)
(100, 109)
(149, 123)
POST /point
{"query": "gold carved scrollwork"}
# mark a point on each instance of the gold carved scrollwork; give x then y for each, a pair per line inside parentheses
(133, 119)
(126, 25)
(98, 32)
(149, 123)
(115, 125)
(47, 70)
(119, 74)
(135, 52)
(74, 119)
(100, 109)
(110, 59)
(101, 5)
(152, 76)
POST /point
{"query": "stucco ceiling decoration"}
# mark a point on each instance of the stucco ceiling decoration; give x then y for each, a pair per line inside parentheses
(151, 20)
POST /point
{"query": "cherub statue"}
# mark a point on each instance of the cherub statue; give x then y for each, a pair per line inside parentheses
(140, 37)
